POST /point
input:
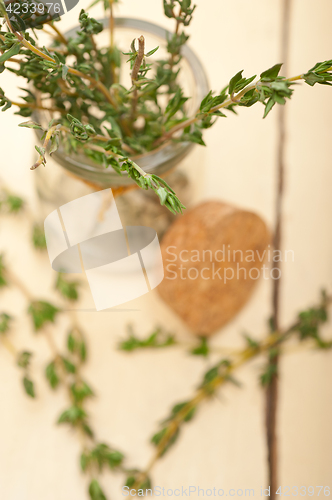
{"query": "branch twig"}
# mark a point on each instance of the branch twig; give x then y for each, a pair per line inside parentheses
(272, 389)
(96, 83)
(112, 28)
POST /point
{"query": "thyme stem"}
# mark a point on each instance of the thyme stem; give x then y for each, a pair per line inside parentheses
(134, 75)
(225, 104)
(19, 284)
(61, 37)
(35, 106)
(96, 83)
(177, 27)
(112, 29)
(111, 24)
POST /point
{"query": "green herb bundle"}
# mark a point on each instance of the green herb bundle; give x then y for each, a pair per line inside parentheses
(128, 121)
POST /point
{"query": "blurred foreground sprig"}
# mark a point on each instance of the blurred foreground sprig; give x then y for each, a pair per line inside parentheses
(306, 327)
(64, 371)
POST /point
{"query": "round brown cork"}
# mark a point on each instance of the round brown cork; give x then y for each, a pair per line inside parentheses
(213, 257)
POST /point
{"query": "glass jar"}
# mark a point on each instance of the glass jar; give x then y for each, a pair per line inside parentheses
(67, 177)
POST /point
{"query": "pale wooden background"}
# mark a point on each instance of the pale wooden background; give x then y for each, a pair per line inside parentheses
(224, 446)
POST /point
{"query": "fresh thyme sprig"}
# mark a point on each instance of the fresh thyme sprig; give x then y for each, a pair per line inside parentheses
(306, 326)
(270, 89)
(181, 11)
